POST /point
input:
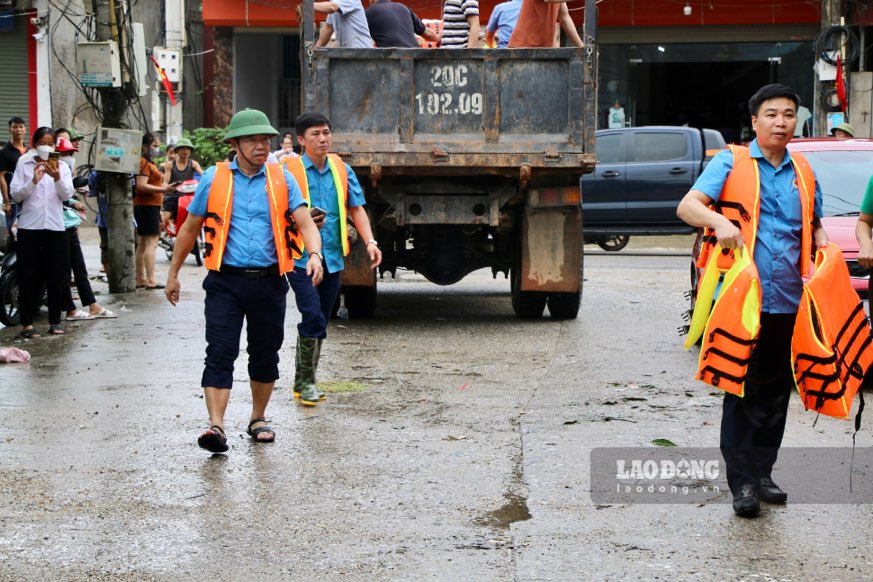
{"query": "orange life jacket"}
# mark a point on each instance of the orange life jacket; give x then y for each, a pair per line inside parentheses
(341, 183)
(740, 202)
(732, 327)
(830, 349)
(219, 206)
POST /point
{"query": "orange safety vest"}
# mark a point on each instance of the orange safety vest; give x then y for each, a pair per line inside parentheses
(740, 202)
(341, 184)
(216, 225)
(732, 327)
(830, 347)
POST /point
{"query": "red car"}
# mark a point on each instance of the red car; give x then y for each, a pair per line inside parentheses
(843, 168)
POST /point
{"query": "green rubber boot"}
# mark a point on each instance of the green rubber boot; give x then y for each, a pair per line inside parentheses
(307, 355)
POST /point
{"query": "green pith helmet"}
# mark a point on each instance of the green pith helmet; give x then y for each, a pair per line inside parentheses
(248, 122)
(844, 127)
(75, 135)
(184, 143)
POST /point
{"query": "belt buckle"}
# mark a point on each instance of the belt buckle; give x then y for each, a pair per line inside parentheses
(252, 273)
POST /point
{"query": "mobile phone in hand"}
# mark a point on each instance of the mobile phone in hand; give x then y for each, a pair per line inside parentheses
(316, 211)
(52, 161)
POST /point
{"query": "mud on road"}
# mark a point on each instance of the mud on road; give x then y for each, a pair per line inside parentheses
(454, 445)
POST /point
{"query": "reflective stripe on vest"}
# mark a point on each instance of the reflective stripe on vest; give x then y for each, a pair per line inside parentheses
(740, 202)
(732, 326)
(340, 176)
(219, 207)
(830, 348)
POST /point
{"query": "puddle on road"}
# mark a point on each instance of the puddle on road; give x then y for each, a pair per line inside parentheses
(515, 509)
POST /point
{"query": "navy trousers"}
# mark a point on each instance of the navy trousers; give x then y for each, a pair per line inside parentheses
(752, 426)
(314, 303)
(230, 299)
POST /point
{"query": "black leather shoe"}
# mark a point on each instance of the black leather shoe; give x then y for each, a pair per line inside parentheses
(746, 501)
(770, 492)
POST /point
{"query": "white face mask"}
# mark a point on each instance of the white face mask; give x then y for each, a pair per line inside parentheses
(44, 151)
(70, 161)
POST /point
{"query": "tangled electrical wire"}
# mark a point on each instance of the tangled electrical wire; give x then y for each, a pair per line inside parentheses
(835, 40)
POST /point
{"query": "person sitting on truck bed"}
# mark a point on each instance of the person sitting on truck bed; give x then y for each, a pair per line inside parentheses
(502, 23)
(395, 25)
(460, 24)
(347, 18)
(534, 27)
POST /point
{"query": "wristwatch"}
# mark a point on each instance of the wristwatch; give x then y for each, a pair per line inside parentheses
(373, 241)
(317, 254)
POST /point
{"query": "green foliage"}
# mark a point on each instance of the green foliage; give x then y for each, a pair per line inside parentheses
(209, 146)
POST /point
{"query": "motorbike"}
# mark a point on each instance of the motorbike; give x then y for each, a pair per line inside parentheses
(167, 240)
(608, 242)
(10, 308)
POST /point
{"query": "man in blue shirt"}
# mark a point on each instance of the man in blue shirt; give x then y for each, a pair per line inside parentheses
(502, 23)
(752, 427)
(320, 176)
(249, 240)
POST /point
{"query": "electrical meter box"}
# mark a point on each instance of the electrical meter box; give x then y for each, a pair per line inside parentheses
(118, 150)
(171, 61)
(97, 64)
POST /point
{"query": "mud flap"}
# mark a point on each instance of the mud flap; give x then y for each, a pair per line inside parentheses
(357, 270)
(551, 250)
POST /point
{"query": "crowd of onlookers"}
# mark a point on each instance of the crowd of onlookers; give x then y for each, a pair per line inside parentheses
(41, 189)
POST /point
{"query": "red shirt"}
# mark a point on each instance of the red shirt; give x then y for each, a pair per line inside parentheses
(536, 25)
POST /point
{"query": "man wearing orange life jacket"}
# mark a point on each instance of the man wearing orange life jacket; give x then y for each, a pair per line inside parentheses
(330, 185)
(771, 203)
(255, 223)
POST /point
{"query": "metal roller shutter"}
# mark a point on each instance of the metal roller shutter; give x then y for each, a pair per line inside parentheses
(14, 92)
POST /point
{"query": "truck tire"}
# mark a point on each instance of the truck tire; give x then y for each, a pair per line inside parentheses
(360, 300)
(566, 305)
(526, 304)
(9, 314)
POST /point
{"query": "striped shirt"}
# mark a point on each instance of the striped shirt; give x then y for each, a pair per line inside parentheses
(456, 29)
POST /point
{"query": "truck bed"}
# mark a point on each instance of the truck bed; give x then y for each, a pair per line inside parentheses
(458, 112)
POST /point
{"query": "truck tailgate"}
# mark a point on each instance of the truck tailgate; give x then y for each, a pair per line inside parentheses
(413, 111)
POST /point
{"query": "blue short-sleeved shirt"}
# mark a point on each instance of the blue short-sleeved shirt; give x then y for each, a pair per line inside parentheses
(250, 236)
(322, 193)
(503, 21)
(777, 247)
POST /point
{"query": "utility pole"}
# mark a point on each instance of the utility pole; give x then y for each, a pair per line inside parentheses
(119, 197)
(174, 25)
(830, 16)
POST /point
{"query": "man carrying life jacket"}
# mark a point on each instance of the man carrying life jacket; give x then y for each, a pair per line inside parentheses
(255, 224)
(765, 201)
(335, 196)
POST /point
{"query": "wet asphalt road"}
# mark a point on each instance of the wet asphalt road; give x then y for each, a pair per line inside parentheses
(464, 456)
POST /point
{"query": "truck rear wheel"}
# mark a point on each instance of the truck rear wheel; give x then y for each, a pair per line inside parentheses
(564, 305)
(361, 299)
(526, 304)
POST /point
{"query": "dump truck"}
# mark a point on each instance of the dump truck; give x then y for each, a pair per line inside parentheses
(469, 159)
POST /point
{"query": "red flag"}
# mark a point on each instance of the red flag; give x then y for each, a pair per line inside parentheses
(841, 85)
(167, 85)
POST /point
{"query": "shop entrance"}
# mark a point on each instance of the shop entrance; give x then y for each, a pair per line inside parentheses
(712, 94)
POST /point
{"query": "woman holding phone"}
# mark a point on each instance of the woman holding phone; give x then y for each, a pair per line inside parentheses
(40, 186)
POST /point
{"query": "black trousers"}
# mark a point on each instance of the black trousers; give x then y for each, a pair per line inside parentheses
(230, 301)
(752, 426)
(42, 256)
(80, 273)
